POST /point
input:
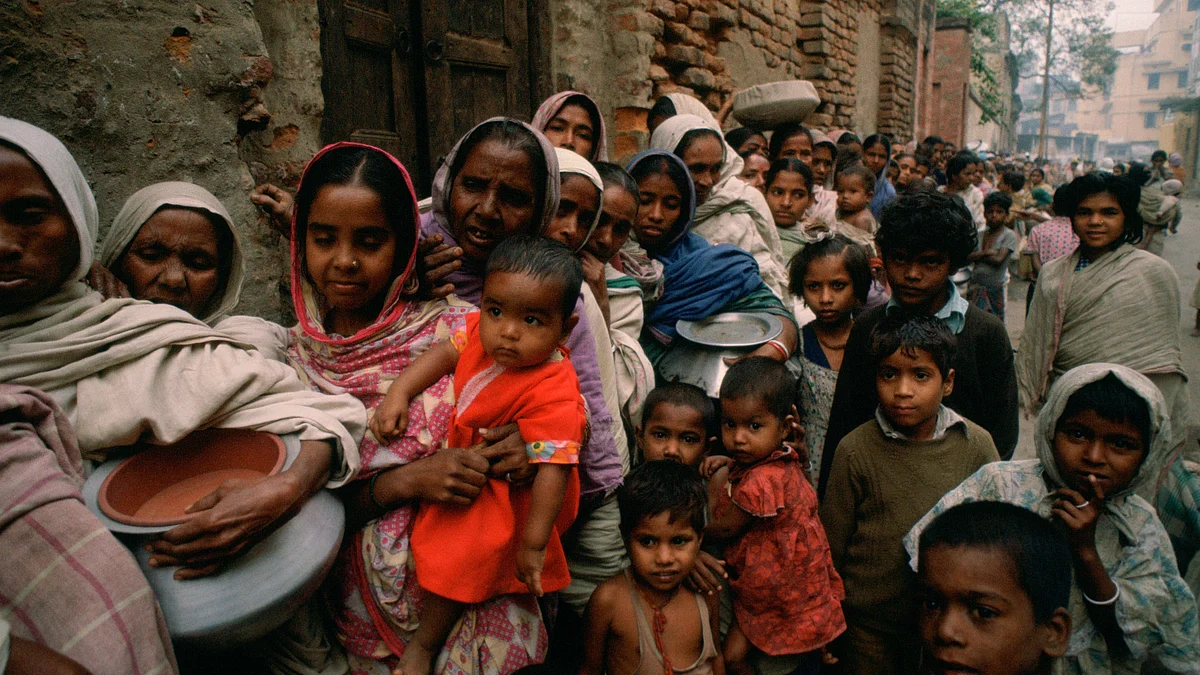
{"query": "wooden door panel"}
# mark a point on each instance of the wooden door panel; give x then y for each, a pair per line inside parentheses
(476, 57)
(368, 80)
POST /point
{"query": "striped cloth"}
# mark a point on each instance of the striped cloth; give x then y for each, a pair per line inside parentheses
(67, 583)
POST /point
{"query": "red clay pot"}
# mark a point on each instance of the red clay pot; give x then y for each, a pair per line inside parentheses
(155, 486)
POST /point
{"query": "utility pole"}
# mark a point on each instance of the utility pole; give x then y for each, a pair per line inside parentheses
(1046, 83)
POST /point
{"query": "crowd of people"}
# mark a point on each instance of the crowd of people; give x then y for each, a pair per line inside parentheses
(479, 378)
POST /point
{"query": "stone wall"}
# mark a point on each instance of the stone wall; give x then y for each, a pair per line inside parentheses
(224, 95)
(861, 55)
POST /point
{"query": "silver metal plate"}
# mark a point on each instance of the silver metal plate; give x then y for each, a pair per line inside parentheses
(733, 329)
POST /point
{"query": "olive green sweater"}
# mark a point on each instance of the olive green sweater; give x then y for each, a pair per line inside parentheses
(878, 489)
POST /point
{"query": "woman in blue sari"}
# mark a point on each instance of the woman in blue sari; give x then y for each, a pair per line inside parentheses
(700, 279)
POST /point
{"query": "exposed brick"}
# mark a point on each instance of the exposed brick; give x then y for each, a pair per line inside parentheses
(723, 16)
(681, 11)
(697, 78)
(663, 9)
(815, 47)
(629, 119)
(658, 73)
(699, 21)
(689, 55)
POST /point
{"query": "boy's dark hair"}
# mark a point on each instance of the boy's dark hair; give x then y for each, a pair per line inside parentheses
(1158, 154)
(682, 394)
(662, 486)
(923, 160)
(868, 178)
(543, 259)
(848, 138)
(1109, 398)
(854, 256)
(761, 378)
(793, 165)
(783, 133)
(907, 334)
(997, 198)
(1014, 180)
(931, 141)
(1127, 193)
(928, 221)
(1038, 551)
(960, 162)
(612, 175)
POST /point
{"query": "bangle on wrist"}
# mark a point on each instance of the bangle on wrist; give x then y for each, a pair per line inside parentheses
(371, 492)
(1102, 603)
(781, 347)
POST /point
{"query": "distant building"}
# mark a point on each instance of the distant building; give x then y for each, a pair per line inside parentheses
(1153, 67)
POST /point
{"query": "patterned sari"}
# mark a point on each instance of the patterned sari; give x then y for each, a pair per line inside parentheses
(372, 592)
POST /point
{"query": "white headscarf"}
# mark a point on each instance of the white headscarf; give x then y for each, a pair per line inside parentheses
(1158, 447)
(571, 162)
(145, 203)
(53, 158)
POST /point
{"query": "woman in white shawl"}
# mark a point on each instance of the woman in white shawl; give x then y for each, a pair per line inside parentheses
(175, 243)
(1108, 302)
(728, 211)
(125, 371)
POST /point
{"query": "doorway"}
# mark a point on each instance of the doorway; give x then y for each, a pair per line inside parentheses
(413, 76)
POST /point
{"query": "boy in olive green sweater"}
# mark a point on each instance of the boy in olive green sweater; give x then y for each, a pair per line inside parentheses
(887, 474)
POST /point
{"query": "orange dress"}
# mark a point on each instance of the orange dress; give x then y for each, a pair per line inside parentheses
(469, 553)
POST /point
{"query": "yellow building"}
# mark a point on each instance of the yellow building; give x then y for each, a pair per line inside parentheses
(1152, 67)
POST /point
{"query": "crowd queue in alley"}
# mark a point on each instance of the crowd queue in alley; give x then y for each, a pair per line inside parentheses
(541, 466)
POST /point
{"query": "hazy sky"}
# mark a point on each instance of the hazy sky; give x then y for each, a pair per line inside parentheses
(1132, 14)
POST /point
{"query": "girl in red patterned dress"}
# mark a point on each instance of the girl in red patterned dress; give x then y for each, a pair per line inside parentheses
(509, 365)
(786, 594)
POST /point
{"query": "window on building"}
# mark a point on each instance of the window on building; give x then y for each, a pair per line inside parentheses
(1193, 5)
(1151, 121)
(1187, 47)
(1072, 105)
(1153, 81)
(1182, 79)
(1108, 121)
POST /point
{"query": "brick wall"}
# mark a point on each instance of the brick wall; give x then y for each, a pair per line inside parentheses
(951, 79)
(712, 48)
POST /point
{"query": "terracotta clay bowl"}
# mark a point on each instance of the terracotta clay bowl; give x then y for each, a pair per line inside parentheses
(153, 487)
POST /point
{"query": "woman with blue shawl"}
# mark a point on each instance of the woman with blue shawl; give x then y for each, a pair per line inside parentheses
(700, 279)
(877, 152)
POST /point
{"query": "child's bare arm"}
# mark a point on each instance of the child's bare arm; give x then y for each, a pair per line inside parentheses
(728, 519)
(1093, 579)
(597, 619)
(391, 417)
(549, 487)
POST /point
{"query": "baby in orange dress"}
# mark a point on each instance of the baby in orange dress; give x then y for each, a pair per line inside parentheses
(509, 365)
(786, 594)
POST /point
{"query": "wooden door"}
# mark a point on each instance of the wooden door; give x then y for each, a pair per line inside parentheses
(476, 65)
(366, 49)
(412, 76)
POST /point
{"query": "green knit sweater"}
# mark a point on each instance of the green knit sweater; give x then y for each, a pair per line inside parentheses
(878, 489)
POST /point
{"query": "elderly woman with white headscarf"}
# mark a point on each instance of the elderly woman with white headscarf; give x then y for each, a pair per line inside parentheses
(174, 243)
(125, 371)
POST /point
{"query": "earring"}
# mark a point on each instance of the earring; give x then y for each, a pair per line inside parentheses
(354, 264)
(411, 286)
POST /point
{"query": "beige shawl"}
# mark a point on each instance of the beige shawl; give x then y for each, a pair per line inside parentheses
(269, 338)
(125, 370)
(1123, 308)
